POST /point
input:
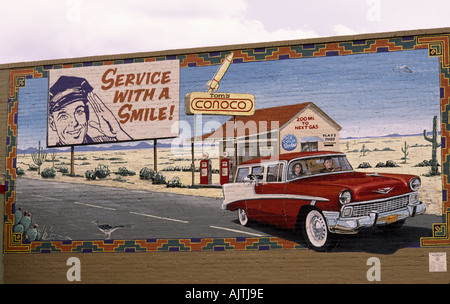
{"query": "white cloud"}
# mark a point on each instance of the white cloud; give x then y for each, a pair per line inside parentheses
(51, 29)
(74, 28)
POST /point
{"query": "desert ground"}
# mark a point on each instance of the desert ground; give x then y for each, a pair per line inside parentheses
(359, 151)
(390, 148)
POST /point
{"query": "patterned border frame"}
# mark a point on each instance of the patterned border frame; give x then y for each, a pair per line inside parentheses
(437, 45)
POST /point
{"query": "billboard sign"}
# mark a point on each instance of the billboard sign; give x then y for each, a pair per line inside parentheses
(112, 103)
(219, 103)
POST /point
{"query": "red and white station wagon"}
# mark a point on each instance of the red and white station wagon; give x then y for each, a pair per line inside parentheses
(320, 194)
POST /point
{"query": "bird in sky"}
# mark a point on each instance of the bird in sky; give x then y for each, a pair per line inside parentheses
(404, 69)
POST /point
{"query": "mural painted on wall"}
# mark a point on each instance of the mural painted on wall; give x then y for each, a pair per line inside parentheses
(382, 103)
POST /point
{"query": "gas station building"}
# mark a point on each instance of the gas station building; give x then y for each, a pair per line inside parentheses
(276, 131)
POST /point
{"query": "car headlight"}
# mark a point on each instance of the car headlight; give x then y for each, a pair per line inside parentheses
(414, 183)
(345, 197)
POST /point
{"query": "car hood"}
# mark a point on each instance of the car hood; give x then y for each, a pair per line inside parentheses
(365, 186)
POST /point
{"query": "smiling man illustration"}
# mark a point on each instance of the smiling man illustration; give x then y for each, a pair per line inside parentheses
(70, 123)
(71, 102)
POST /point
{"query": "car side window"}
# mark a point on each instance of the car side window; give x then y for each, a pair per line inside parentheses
(280, 172)
(298, 168)
(241, 174)
(274, 173)
(258, 172)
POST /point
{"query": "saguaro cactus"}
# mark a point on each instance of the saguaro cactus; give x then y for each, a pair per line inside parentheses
(405, 152)
(39, 156)
(434, 146)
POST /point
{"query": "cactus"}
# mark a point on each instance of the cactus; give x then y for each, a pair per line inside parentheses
(31, 233)
(435, 145)
(25, 227)
(364, 150)
(405, 153)
(18, 228)
(39, 155)
(18, 216)
(53, 158)
(26, 220)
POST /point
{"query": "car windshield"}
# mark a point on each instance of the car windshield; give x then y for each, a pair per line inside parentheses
(318, 165)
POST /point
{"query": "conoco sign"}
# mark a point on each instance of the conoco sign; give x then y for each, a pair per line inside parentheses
(219, 103)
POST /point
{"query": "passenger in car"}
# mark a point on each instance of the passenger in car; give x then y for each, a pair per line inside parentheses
(297, 171)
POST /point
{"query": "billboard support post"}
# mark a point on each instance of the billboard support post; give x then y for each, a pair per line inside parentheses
(235, 147)
(72, 161)
(155, 155)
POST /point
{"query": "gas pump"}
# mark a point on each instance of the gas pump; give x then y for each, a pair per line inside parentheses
(225, 171)
(205, 171)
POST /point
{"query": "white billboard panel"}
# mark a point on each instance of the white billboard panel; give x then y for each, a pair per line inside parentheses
(111, 103)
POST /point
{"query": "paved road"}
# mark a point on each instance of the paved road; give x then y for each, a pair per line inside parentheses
(69, 210)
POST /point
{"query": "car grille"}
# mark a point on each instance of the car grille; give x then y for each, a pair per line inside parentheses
(380, 207)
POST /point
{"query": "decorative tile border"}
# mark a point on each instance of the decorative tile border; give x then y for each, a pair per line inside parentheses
(437, 45)
(164, 245)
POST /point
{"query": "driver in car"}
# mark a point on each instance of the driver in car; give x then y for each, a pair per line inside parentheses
(327, 165)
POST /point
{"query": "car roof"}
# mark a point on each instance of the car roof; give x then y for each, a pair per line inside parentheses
(288, 157)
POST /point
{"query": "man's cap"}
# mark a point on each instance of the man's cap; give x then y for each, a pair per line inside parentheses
(67, 90)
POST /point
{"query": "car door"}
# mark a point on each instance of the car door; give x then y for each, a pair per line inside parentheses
(272, 190)
(253, 205)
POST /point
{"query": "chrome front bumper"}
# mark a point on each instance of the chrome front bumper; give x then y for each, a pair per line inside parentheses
(351, 225)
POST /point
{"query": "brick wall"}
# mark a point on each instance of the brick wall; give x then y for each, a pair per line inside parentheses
(4, 80)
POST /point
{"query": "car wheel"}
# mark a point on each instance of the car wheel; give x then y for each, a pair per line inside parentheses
(316, 232)
(242, 216)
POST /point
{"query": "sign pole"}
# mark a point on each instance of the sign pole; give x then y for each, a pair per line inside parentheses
(229, 104)
(235, 147)
(192, 150)
(155, 155)
(72, 161)
(192, 164)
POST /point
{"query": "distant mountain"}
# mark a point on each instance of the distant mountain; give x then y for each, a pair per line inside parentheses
(87, 148)
(146, 145)
(102, 147)
(391, 135)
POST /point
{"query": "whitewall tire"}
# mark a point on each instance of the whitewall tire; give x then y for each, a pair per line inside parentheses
(242, 217)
